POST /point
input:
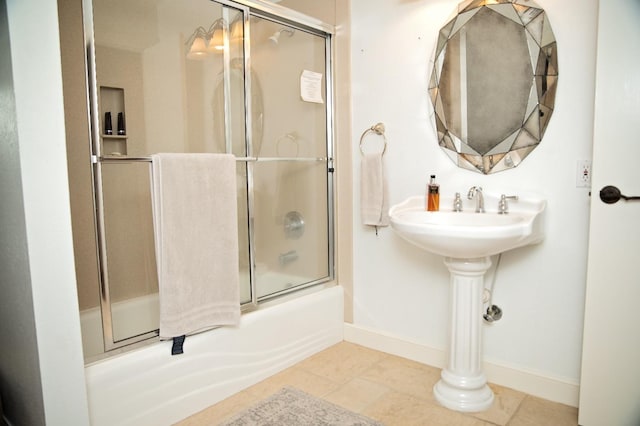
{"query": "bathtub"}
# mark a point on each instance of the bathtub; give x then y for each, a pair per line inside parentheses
(149, 386)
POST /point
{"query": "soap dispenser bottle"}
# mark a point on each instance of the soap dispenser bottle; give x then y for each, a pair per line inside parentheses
(433, 195)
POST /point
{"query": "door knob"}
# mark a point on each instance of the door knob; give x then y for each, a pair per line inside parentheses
(610, 194)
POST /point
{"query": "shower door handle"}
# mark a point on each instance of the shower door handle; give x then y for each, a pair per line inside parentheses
(610, 195)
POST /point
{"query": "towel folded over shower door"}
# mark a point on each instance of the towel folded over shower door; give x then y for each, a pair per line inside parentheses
(196, 238)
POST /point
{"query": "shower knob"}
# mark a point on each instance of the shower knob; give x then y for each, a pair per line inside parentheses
(293, 225)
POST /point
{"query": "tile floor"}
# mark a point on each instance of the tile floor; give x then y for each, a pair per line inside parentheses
(387, 388)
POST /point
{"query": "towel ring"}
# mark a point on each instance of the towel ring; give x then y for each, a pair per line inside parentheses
(292, 139)
(378, 129)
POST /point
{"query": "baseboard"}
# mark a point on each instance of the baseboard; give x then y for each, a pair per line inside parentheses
(532, 383)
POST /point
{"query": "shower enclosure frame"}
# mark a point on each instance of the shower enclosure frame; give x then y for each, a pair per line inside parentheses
(249, 8)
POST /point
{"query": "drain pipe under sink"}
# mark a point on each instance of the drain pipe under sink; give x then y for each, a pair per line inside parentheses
(494, 313)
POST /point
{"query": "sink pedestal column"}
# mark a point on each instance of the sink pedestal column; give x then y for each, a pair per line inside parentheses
(463, 385)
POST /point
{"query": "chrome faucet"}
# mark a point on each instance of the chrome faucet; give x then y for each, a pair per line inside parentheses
(476, 191)
(288, 257)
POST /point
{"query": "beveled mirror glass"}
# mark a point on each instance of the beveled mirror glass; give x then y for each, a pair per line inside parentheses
(493, 83)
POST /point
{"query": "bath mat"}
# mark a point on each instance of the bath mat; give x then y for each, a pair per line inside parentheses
(292, 407)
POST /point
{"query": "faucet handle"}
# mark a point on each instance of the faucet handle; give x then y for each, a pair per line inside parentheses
(457, 203)
(503, 207)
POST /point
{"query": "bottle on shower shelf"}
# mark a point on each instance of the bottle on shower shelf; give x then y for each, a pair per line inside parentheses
(108, 129)
(121, 130)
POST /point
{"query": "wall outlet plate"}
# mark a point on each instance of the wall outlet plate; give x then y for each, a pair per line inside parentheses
(583, 174)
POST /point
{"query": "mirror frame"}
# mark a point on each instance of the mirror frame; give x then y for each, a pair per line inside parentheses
(509, 151)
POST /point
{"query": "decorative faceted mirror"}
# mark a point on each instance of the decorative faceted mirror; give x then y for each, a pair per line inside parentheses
(493, 83)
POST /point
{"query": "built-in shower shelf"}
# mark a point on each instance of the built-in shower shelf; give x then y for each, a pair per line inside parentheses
(112, 101)
(114, 145)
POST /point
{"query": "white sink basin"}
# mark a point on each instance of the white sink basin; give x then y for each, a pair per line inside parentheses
(468, 234)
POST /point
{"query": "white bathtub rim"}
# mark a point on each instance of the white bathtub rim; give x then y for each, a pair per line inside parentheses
(91, 321)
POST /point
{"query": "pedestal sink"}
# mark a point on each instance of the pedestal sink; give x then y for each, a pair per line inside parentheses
(466, 240)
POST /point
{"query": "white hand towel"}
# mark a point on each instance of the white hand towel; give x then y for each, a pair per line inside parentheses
(374, 203)
(196, 229)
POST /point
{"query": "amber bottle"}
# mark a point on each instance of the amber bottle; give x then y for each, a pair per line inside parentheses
(433, 195)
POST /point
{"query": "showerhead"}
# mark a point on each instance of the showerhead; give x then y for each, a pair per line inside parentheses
(276, 36)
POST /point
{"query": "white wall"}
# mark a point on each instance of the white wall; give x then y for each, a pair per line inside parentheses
(403, 291)
(20, 385)
(40, 129)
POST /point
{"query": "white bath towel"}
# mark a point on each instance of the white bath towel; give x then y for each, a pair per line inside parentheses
(196, 237)
(374, 203)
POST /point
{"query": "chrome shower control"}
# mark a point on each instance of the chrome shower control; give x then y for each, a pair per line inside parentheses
(293, 225)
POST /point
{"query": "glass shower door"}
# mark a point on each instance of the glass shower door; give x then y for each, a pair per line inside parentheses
(129, 252)
(290, 178)
(171, 81)
(174, 77)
